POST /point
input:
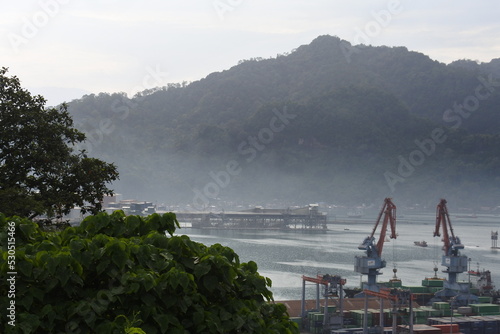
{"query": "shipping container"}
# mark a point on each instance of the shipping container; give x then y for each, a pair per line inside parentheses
(392, 284)
(481, 309)
(330, 309)
(441, 305)
(484, 300)
(358, 316)
(433, 282)
(419, 329)
(448, 328)
(417, 289)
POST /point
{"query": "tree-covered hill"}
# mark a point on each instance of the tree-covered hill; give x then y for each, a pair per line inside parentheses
(329, 121)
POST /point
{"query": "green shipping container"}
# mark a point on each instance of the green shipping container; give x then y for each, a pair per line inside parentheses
(358, 316)
(393, 284)
(434, 313)
(441, 306)
(485, 308)
(312, 315)
(419, 312)
(417, 289)
(331, 309)
(457, 315)
(311, 319)
(484, 299)
(424, 309)
(315, 326)
(421, 320)
(433, 283)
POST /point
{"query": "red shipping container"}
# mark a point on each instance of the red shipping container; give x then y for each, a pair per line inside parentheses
(448, 328)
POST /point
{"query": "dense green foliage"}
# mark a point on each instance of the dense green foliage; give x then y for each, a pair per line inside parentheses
(356, 115)
(117, 274)
(39, 172)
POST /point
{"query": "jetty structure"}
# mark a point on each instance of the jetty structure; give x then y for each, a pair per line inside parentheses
(308, 217)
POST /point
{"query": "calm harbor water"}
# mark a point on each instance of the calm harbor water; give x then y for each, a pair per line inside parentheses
(284, 256)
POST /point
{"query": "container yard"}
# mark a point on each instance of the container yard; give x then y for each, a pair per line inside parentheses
(437, 306)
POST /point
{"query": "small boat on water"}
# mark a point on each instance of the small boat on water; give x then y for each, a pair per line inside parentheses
(420, 243)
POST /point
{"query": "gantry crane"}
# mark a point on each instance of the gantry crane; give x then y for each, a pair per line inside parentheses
(333, 285)
(372, 262)
(452, 260)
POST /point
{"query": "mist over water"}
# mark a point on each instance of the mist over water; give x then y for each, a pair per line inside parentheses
(284, 256)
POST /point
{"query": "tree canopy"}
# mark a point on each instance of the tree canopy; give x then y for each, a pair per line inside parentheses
(118, 274)
(39, 171)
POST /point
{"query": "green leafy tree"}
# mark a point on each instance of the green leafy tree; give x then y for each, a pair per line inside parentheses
(118, 274)
(39, 171)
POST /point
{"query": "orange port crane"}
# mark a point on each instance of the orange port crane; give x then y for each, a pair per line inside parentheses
(452, 260)
(372, 262)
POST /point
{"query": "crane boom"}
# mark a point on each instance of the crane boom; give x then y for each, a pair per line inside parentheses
(451, 242)
(389, 211)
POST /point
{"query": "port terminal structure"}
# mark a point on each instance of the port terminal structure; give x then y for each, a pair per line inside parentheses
(333, 287)
(369, 265)
(452, 307)
(308, 217)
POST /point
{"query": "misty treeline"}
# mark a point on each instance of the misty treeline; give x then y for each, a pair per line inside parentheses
(329, 122)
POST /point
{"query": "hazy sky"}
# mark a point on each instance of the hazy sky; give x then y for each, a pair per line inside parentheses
(64, 49)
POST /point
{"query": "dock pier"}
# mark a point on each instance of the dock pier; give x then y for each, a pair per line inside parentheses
(258, 218)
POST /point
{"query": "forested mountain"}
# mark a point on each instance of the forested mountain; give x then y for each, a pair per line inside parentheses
(329, 122)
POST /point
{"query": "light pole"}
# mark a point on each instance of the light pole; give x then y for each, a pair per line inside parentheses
(468, 287)
(452, 302)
